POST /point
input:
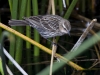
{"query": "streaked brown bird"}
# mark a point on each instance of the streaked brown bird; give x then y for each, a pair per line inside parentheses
(48, 25)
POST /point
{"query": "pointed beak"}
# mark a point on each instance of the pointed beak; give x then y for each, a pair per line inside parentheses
(68, 33)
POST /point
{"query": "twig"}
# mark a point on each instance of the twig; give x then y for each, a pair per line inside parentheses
(54, 47)
(87, 60)
(49, 7)
(53, 7)
(14, 62)
(62, 47)
(80, 17)
(93, 32)
(84, 35)
(97, 52)
(94, 65)
(9, 71)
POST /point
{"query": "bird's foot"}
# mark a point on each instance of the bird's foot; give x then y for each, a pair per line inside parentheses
(58, 60)
(54, 43)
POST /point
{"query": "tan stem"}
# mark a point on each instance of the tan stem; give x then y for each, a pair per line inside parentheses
(49, 7)
(54, 47)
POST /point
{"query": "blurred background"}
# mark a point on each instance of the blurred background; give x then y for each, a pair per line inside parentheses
(31, 58)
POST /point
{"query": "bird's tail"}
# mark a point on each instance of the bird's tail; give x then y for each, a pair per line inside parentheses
(17, 22)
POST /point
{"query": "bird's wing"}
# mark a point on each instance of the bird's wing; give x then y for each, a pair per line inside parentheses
(45, 22)
(33, 21)
(36, 18)
(50, 22)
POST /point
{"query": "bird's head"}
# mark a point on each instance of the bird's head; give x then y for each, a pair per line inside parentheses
(64, 26)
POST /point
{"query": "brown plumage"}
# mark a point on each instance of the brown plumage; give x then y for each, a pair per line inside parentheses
(48, 25)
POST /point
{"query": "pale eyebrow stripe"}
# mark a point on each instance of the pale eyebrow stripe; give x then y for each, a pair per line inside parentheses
(64, 25)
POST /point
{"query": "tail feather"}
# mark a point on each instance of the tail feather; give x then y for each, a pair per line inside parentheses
(17, 23)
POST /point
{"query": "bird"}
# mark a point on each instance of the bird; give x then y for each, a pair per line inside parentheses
(47, 25)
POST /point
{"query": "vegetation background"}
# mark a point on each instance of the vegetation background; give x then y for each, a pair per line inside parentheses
(34, 60)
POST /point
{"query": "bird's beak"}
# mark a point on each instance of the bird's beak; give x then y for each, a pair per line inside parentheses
(68, 33)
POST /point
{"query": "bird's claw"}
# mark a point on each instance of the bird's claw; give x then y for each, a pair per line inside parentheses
(58, 60)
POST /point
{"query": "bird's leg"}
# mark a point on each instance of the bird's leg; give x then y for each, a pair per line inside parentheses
(54, 48)
(54, 43)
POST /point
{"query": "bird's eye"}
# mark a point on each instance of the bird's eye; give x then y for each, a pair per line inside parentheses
(45, 18)
(65, 28)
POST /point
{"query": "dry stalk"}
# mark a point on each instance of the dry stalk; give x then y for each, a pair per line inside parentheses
(80, 17)
(54, 47)
(82, 37)
(96, 25)
(97, 52)
(94, 65)
(49, 7)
